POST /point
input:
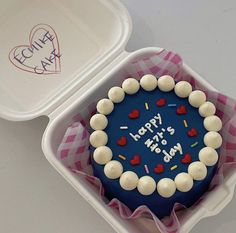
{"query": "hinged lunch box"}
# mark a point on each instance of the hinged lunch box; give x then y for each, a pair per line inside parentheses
(57, 57)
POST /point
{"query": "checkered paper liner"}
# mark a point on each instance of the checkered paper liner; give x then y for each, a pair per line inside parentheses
(74, 153)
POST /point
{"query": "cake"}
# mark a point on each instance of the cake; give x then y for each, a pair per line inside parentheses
(155, 142)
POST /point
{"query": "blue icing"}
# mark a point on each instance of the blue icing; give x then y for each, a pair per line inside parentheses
(119, 117)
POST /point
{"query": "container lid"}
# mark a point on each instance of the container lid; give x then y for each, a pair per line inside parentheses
(51, 48)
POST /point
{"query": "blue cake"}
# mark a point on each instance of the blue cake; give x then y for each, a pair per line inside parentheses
(154, 143)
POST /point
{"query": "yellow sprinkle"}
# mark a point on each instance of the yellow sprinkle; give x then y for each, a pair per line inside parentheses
(146, 106)
(173, 168)
(122, 157)
(194, 144)
(185, 124)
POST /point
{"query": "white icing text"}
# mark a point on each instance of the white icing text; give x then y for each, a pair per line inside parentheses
(157, 141)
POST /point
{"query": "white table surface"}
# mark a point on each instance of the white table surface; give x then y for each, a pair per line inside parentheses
(34, 198)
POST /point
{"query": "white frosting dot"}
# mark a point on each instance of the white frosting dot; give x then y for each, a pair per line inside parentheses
(130, 86)
(148, 82)
(197, 98)
(102, 155)
(212, 123)
(116, 94)
(183, 182)
(105, 106)
(197, 170)
(166, 83)
(98, 138)
(208, 156)
(146, 185)
(183, 89)
(207, 109)
(113, 169)
(166, 187)
(98, 122)
(213, 139)
(128, 180)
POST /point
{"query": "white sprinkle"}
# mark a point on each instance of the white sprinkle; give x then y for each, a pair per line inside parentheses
(124, 127)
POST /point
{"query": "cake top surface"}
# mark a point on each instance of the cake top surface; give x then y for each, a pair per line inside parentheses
(155, 134)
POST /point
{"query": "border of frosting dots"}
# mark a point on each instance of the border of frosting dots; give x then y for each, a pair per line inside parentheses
(146, 185)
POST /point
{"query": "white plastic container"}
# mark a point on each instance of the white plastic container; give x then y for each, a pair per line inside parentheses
(92, 35)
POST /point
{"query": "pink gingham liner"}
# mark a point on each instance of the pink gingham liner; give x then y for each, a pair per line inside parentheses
(73, 151)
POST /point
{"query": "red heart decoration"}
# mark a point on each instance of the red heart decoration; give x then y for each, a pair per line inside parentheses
(136, 160)
(134, 114)
(181, 110)
(186, 159)
(161, 102)
(42, 55)
(122, 141)
(192, 132)
(159, 168)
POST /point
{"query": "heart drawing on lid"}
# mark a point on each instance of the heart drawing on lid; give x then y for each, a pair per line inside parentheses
(42, 55)
(122, 141)
(181, 110)
(136, 160)
(192, 132)
(134, 114)
(186, 159)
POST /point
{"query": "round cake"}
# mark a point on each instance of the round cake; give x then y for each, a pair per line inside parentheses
(154, 143)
